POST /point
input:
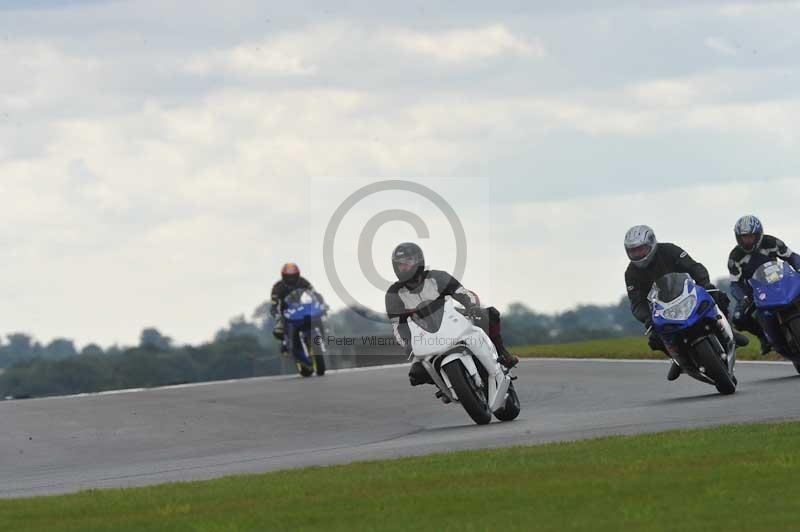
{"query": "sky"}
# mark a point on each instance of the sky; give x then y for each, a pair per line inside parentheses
(160, 160)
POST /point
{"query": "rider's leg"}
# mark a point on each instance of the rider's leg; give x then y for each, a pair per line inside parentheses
(293, 345)
(418, 375)
(506, 358)
(746, 322)
(279, 332)
(772, 330)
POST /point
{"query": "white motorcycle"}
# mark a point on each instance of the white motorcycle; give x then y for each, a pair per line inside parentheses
(462, 361)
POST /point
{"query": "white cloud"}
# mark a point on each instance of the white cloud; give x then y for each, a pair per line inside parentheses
(37, 73)
(252, 59)
(151, 178)
(721, 45)
(587, 233)
(749, 9)
(464, 45)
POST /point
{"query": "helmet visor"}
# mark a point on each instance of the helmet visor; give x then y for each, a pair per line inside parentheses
(639, 252)
(748, 241)
(406, 265)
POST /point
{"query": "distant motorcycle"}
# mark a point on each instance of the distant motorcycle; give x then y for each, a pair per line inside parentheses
(462, 361)
(776, 296)
(303, 315)
(695, 331)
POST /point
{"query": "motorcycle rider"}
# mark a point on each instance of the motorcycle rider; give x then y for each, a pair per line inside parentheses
(651, 260)
(753, 249)
(417, 288)
(290, 281)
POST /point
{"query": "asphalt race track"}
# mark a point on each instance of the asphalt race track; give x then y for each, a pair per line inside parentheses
(132, 438)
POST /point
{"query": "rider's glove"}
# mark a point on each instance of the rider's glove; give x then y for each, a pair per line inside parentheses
(720, 298)
(474, 313)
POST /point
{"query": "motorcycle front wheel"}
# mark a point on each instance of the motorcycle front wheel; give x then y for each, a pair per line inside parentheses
(708, 358)
(471, 397)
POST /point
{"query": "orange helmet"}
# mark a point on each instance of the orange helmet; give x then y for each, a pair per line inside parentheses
(290, 273)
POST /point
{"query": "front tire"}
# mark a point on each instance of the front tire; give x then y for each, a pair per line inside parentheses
(511, 408)
(471, 397)
(707, 357)
(794, 328)
(304, 370)
(319, 364)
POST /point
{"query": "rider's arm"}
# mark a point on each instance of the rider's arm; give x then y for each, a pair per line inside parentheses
(638, 298)
(275, 300)
(685, 263)
(739, 287)
(782, 250)
(398, 316)
(402, 333)
(454, 289)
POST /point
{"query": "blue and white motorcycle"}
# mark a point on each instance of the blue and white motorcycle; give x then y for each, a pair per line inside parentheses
(776, 296)
(304, 314)
(695, 331)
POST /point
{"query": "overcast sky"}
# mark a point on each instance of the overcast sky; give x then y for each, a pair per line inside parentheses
(160, 160)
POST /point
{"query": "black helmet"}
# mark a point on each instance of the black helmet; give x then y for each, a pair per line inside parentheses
(408, 261)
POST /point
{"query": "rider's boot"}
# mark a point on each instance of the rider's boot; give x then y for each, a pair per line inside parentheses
(418, 375)
(674, 371)
(766, 347)
(504, 356)
(740, 339)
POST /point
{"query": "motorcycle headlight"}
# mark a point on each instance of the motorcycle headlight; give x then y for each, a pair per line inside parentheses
(681, 311)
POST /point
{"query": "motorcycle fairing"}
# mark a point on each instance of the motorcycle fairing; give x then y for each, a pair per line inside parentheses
(775, 285)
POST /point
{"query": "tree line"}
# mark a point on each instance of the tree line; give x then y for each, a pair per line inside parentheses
(246, 348)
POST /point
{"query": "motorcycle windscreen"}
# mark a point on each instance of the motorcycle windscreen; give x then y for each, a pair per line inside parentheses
(429, 317)
(769, 273)
(670, 287)
(301, 296)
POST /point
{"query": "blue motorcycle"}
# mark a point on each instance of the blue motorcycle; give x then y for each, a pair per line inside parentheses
(776, 296)
(695, 332)
(303, 314)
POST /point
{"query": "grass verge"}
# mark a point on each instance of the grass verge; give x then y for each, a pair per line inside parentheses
(728, 478)
(621, 348)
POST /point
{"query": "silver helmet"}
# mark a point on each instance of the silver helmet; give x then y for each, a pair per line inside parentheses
(641, 245)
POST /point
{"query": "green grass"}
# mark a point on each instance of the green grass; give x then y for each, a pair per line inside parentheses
(622, 348)
(728, 478)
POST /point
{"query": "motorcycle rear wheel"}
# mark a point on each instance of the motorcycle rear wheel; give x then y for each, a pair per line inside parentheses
(707, 357)
(471, 397)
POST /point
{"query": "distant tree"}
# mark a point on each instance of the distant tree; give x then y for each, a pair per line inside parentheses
(92, 350)
(60, 348)
(151, 338)
(20, 347)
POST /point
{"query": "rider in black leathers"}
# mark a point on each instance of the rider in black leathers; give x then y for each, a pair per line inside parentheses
(754, 249)
(420, 290)
(651, 260)
(290, 281)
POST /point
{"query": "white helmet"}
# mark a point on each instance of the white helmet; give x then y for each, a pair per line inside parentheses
(641, 245)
